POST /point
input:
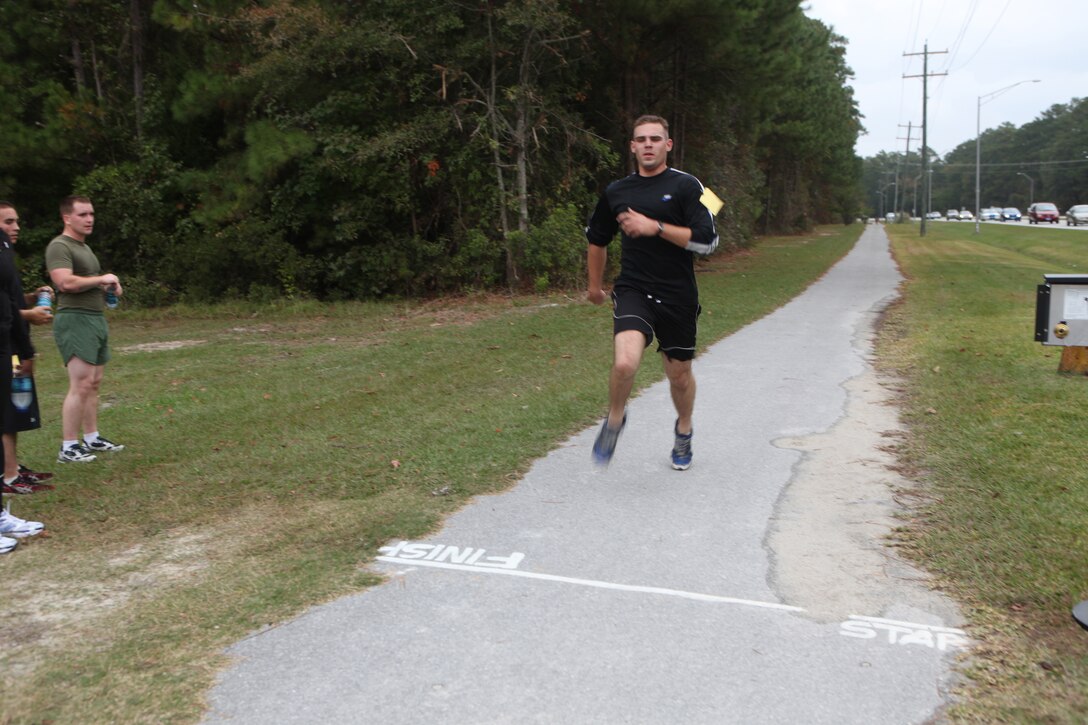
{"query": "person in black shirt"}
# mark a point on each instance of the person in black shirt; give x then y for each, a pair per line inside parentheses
(662, 225)
(17, 477)
(13, 336)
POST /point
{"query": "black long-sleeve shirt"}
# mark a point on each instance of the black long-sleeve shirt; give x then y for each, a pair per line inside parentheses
(12, 325)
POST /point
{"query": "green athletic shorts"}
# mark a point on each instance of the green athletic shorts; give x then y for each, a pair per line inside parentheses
(82, 334)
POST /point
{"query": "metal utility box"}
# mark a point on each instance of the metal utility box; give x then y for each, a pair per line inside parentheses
(1061, 310)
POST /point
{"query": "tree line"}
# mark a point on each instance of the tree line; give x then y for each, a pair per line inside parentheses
(353, 149)
(1046, 159)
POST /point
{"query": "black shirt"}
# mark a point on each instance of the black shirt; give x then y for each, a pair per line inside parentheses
(12, 326)
(651, 264)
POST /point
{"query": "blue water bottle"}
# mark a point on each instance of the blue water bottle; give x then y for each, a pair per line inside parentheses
(22, 391)
(45, 299)
(111, 296)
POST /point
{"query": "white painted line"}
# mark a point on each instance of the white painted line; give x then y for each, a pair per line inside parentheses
(470, 559)
(912, 625)
(595, 583)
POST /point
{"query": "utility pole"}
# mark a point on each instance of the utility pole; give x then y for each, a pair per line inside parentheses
(925, 124)
(906, 156)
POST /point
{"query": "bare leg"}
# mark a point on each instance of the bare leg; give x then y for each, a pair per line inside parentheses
(11, 463)
(628, 346)
(682, 388)
(81, 402)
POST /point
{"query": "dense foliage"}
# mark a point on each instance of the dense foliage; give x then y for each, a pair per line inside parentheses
(1044, 160)
(350, 149)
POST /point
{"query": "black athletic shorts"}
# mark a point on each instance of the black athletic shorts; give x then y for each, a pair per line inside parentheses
(673, 325)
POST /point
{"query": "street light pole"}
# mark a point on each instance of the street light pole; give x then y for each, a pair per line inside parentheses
(881, 192)
(978, 144)
(929, 193)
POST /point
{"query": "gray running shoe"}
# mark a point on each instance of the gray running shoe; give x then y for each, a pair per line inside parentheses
(681, 449)
(605, 445)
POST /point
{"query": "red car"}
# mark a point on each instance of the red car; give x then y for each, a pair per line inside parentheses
(1042, 211)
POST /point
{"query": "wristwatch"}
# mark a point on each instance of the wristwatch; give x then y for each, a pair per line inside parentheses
(660, 229)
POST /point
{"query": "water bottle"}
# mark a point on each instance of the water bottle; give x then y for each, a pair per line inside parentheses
(45, 299)
(111, 296)
(22, 391)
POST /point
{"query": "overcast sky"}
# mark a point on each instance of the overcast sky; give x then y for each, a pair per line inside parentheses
(991, 44)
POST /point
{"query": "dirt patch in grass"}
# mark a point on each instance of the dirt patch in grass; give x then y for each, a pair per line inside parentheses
(58, 607)
(160, 346)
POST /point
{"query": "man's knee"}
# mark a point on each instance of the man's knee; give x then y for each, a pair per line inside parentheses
(83, 378)
(628, 356)
(625, 366)
(679, 372)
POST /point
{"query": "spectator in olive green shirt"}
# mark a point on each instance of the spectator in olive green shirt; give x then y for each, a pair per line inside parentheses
(80, 328)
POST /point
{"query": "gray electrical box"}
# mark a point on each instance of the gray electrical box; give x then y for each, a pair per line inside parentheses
(1061, 310)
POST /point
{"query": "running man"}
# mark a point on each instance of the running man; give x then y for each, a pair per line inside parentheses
(663, 225)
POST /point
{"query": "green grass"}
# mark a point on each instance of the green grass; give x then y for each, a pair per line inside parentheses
(272, 453)
(998, 445)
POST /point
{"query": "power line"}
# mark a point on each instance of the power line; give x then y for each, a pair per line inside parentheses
(962, 32)
(1018, 163)
(988, 34)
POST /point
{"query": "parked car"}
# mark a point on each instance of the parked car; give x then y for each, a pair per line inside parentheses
(1077, 215)
(990, 214)
(1042, 211)
(933, 215)
(952, 214)
(966, 216)
(1010, 214)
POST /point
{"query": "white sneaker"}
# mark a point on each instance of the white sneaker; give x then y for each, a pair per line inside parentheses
(7, 544)
(101, 444)
(17, 527)
(75, 453)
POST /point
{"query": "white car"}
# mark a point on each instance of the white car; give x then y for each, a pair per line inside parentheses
(952, 214)
(933, 215)
(966, 216)
(1077, 215)
(990, 214)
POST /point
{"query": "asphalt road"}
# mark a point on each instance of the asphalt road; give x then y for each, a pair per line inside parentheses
(755, 587)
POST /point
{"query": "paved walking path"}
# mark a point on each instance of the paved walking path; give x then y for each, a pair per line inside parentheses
(752, 588)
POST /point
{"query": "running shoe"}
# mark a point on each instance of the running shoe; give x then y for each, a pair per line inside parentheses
(16, 488)
(681, 449)
(18, 528)
(7, 544)
(23, 484)
(102, 444)
(605, 445)
(75, 453)
(37, 476)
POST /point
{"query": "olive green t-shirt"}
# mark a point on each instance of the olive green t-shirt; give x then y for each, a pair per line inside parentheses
(67, 253)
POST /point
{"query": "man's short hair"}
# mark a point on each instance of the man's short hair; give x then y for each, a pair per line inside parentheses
(6, 204)
(647, 118)
(69, 202)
